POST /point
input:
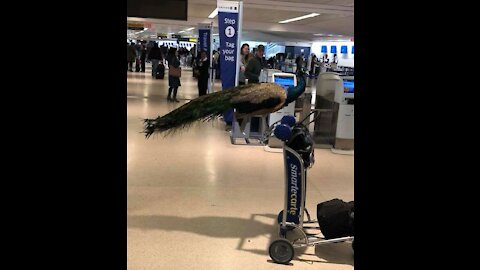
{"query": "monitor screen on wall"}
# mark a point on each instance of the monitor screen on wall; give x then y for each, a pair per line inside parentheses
(164, 9)
(353, 49)
(324, 49)
(333, 49)
(344, 49)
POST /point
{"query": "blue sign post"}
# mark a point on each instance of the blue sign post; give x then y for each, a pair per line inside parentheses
(204, 41)
(204, 34)
(229, 28)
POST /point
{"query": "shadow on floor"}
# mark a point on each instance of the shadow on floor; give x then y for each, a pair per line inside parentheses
(222, 227)
(243, 229)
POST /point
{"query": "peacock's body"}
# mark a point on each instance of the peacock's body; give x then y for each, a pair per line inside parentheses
(250, 99)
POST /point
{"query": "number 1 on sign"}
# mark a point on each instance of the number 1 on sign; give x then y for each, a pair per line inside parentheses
(229, 31)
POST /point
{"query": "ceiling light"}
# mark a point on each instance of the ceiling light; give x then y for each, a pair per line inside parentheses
(188, 29)
(319, 34)
(213, 14)
(311, 15)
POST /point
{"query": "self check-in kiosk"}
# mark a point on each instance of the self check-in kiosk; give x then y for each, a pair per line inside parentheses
(334, 125)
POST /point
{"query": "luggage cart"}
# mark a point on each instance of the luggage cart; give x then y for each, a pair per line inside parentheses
(291, 218)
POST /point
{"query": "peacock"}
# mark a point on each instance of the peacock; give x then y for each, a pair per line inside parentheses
(247, 100)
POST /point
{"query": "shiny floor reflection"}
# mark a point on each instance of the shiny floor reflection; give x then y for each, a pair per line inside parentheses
(194, 201)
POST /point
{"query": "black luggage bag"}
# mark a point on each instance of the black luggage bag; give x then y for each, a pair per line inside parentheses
(335, 218)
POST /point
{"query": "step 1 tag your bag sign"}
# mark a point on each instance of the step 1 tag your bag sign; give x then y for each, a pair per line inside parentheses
(229, 28)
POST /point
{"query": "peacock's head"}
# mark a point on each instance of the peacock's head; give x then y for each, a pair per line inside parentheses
(293, 92)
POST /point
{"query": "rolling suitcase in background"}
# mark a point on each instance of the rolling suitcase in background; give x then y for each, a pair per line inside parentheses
(137, 65)
(160, 71)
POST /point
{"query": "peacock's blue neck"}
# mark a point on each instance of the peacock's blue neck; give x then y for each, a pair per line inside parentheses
(294, 92)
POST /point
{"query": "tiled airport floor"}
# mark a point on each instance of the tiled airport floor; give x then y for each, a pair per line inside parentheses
(195, 201)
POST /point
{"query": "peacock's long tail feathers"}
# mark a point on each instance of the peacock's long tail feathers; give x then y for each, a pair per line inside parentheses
(246, 99)
(206, 107)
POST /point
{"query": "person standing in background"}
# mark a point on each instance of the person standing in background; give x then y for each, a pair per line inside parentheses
(309, 62)
(244, 51)
(333, 65)
(216, 63)
(324, 63)
(271, 62)
(312, 65)
(193, 52)
(138, 48)
(131, 55)
(300, 61)
(214, 58)
(252, 73)
(255, 66)
(203, 67)
(143, 56)
(149, 47)
(173, 82)
(325, 59)
(155, 56)
(164, 50)
(128, 44)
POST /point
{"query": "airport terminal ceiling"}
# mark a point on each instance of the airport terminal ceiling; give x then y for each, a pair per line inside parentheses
(261, 20)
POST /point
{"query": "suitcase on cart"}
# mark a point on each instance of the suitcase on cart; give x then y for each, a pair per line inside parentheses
(335, 218)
